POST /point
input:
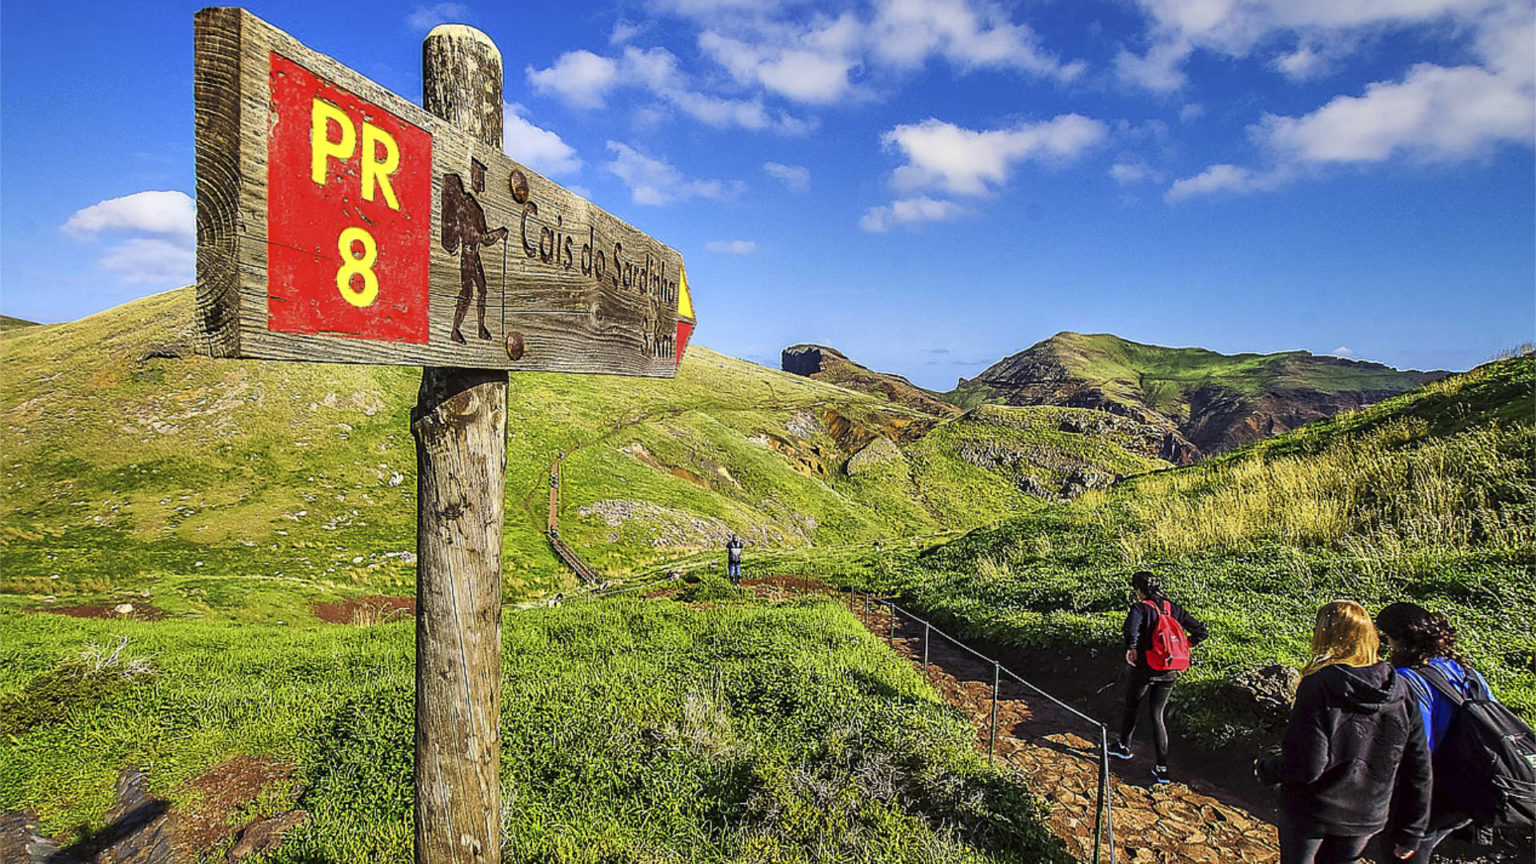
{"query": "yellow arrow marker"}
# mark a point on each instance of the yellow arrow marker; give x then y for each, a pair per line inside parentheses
(684, 299)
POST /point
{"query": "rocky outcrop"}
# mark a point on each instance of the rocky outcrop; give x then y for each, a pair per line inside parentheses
(834, 367)
(881, 451)
(1201, 402)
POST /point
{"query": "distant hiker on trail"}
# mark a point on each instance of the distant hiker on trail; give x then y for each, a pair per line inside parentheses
(1354, 750)
(1158, 636)
(1449, 696)
(733, 559)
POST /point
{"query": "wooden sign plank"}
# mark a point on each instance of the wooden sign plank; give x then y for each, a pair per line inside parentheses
(339, 222)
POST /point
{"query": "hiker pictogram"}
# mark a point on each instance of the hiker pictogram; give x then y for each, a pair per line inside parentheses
(464, 233)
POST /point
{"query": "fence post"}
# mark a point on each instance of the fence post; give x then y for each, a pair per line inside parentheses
(992, 748)
(1098, 817)
(926, 628)
(890, 631)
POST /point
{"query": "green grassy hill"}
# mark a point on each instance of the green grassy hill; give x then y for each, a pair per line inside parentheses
(8, 323)
(1216, 401)
(253, 489)
(1428, 496)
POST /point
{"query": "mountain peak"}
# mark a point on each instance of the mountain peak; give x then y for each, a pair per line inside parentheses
(1216, 401)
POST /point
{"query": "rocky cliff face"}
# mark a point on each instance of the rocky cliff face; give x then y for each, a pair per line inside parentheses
(834, 367)
(1204, 402)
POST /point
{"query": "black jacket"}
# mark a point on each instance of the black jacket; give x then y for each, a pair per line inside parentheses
(1141, 622)
(733, 551)
(1354, 736)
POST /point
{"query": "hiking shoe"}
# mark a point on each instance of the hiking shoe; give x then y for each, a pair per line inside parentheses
(1160, 775)
(1119, 750)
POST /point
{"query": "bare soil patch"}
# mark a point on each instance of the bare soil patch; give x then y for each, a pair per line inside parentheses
(371, 609)
(222, 791)
(140, 612)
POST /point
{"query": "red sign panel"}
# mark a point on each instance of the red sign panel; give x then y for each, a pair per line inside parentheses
(349, 212)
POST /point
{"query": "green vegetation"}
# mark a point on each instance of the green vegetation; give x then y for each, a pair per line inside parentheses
(9, 323)
(631, 730)
(1427, 496)
(251, 490)
(1162, 378)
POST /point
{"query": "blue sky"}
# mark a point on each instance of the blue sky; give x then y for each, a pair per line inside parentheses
(928, 185)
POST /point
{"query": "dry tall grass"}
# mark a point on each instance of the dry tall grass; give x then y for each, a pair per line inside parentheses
(1377, 495)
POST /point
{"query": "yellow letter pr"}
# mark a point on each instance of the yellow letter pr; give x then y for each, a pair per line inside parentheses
(373, 169)
(321, 147)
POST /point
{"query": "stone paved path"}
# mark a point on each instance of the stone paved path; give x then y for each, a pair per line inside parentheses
(1057, 755)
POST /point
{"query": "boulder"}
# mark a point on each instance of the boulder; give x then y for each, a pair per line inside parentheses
(1267, 692)
(880, 451)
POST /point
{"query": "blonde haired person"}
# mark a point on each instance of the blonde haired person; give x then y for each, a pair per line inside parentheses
(1354, 736)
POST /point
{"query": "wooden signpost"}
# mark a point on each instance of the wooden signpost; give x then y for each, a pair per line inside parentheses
(338, 222)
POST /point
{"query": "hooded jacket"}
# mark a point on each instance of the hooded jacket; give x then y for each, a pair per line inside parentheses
(1354, 736)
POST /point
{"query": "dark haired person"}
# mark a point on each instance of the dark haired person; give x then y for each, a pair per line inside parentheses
(1420, 638)
(1141, 625)
(733, 559)
(1353, 751)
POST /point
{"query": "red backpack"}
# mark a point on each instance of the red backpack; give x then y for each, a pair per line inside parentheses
(1170, 646)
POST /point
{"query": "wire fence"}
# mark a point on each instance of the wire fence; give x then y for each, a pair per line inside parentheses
(861, 604)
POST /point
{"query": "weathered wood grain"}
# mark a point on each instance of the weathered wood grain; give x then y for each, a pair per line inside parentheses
(564, 319)
(460, 425)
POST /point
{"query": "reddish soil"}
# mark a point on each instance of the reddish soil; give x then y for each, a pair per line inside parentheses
(223, 790)
(373, 609)
(141, 612)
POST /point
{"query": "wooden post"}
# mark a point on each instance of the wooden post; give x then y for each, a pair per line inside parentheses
(459, 424)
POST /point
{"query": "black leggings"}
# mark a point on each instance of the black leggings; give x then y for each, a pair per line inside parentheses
(1142, 682)
(1299, 846)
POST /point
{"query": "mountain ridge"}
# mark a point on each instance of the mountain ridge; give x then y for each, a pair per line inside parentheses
(1209, 402)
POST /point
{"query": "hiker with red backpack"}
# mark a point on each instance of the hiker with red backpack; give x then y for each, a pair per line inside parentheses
(1484, 756)
(1158, 636)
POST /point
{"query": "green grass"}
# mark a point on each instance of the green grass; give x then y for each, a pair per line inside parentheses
(125, 468)
(631, 731)
(1428, 497)
(1162, 378)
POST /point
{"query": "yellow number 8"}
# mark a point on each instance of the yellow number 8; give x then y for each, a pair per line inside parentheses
(360, 265)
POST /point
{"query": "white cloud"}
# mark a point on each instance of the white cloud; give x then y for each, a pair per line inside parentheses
(152, 261)
(427, 17)
(970, 162)
(1305, 36)
(1434, 114)
(582, 79)
(732, 247)
(1192, 111)
(1126, 173)
(806, 65)
(578, 78)
(1222, 178)
(166, 256)
(910, 212)
(655, 182)
(904, 33)
(1160, 70)
(623, 31)
(796, 177)
(540, 149)
(1342, 351)
(170, 213)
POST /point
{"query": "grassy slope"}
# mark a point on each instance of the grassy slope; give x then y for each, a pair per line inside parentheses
(252, 489)
(631, 730)
(1161, 377)
(9, 323)
(1427, 496)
